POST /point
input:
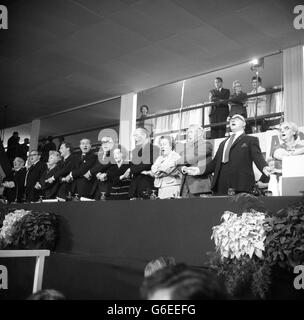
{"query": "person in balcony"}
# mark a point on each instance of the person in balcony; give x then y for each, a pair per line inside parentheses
(220, 110)
(256, 105)
(237, 100)
(118, 176)
(143, 122)
(167, 176)
(238, 103)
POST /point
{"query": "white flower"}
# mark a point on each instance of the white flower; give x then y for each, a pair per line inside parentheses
(9, 224)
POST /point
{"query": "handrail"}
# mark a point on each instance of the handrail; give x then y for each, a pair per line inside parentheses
(209, 104)
(175, 111)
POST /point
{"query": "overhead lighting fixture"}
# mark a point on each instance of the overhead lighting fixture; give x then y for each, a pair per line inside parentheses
(256, 63)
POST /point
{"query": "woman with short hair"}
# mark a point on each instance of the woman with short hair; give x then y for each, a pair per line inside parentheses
(164, 169)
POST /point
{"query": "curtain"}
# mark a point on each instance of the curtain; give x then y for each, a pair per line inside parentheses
(172, 122)
(293, 80)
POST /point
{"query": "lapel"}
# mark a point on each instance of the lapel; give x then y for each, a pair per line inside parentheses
(236, 141)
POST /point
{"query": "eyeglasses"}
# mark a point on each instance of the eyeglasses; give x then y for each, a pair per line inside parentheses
(107, 141)
(34, 154)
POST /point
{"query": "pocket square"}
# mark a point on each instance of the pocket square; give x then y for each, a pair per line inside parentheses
(244, 145)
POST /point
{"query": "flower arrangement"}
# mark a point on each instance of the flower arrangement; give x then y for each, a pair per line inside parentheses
(24, 229)
(253, 247)
(11, 226)
(240, 243)
(239, 236)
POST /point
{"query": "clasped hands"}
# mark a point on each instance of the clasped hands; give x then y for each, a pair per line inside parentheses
(126, 175)
(191, 171)
(101, 176)
(9, 184)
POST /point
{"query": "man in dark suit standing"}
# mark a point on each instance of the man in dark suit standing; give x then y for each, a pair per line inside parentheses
(220, 111)
(232, 164)
(143, 156)
(14, 184)
(99, 171)
(67, 164)
(85, 161)
(33, 176)
(197, 152)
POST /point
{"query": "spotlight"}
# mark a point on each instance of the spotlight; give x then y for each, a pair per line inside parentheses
(256, 63)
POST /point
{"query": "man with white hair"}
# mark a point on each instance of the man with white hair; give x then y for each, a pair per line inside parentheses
(14, 184)
(196, 153)
(143, 156)
(85, 161)
(232, 164)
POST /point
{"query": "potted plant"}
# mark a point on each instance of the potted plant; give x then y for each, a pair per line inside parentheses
(25, 229)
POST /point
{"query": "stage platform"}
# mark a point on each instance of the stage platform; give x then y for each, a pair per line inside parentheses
(103, 246)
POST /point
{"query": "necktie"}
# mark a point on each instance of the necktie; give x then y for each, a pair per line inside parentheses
(228, 147)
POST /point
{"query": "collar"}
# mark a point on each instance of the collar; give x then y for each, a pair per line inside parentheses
(237, 134)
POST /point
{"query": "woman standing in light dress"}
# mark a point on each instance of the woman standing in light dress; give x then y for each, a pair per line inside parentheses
(167, 176)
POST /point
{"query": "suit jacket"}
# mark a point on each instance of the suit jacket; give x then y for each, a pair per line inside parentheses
(243, 152)
(4, 162)
(50, 190)
(16, 193)
(220, 109)
(237, 104)
(101, 166)
(197, 154)
(118, 189)
(84, 164)
(142, 159)
(65, 167)
(33, 176)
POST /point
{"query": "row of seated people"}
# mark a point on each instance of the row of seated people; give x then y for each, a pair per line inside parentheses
(174, 170)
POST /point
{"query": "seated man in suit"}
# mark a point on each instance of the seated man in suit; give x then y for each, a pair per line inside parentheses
(143, 156)
(14, 185)
(85, 161)
(232, 164)
(197, 153)
(33, 176)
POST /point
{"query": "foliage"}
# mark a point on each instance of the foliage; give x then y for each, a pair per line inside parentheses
(239, 236)
(285, 238)
(239, 274)
(246, 255)
(239, 242)
(28, 230)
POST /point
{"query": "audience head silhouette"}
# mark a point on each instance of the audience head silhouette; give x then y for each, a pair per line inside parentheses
(181, 282)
